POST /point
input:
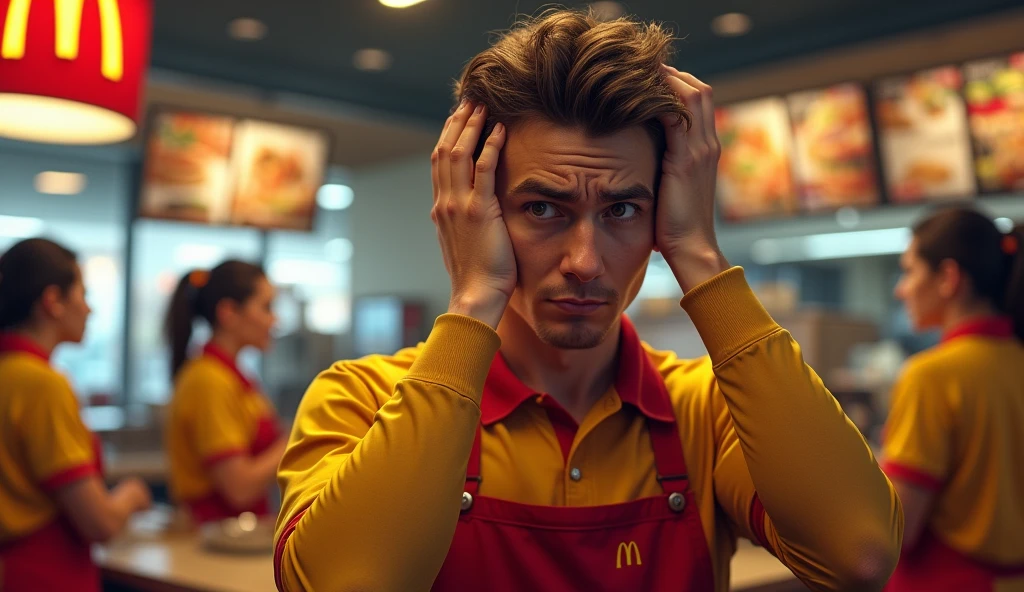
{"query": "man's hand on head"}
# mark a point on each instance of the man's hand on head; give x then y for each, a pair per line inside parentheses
(474, 240)
(685, 225)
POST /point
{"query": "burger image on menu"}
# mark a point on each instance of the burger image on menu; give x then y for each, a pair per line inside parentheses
(834, 154)
(925, 147)
(278, 170)
(755, 177)
(186, 167)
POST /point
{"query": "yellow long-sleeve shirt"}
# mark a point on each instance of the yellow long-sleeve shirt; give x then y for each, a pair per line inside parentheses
(376, 464)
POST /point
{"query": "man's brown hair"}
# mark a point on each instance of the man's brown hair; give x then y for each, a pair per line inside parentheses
(572, 69)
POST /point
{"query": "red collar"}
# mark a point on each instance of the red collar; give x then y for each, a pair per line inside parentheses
(638, 383)
(10, 342)
(211, 350)
(1000, 327)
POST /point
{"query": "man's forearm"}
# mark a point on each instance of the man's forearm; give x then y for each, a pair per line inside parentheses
(385, 519)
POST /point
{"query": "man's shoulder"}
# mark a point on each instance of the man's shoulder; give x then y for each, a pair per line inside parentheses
(686, 379)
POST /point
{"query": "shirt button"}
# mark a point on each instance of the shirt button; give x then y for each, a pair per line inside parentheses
(575, 474)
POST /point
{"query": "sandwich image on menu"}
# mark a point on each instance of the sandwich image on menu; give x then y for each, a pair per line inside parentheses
(755, 171)
(926, 150)
(186, 168)
(995, 106)
(277, 171)
(834, 154)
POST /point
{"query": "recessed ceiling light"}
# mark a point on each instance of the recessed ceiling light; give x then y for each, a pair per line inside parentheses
(334, 197)
(399, 3)
(57, 183)
(247, 29)
(607, 11)
(372, 60)
(731, 24)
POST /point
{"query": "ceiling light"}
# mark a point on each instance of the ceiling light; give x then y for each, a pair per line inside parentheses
(59, 121)
(335, 197)
(57, 183)
(605, 11)
(20, 227)
(731, 24)
(372, 60)
(1004, 224)
(836, 245)
(338, 249)
(247, 29)
(399, 3)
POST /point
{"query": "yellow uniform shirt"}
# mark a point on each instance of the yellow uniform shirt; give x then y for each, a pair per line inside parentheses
(957, 427)
(216, 413)
(43, 443)
(377, 459)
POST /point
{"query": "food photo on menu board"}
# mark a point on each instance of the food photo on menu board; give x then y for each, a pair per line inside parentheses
(755, 170)
(277, 170)
(925, 144)
(185, 176)
(834, 155)
(995, 106)
(219, 170)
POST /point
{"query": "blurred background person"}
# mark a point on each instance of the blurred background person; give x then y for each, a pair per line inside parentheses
(223, 436)
(953, 443)
(53, 500)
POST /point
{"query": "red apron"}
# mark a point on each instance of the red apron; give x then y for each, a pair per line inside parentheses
(268, 430)
(55, 557)
(654, 543)
(215, 506)
(936, 567)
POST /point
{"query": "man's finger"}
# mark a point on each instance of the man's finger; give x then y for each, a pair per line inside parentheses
(462, 153)
(487, 164)
(435, 180)
(707, 101)
(691, 98)
(444, 150)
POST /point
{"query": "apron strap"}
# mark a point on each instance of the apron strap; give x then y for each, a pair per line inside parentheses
(473, 477)
(668, 456)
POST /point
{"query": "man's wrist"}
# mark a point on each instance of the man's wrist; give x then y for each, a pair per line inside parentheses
(694, 266)
(487, 309)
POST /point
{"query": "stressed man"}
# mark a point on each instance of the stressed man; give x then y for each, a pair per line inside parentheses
(533, 442)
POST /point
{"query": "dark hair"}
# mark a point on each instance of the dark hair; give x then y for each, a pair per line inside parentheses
(198, 294)
(571, 68)
(27, 269)
(991, 260)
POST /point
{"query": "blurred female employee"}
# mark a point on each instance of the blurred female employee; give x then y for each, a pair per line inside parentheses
(223, 436)
(954, 443)
(53, 502)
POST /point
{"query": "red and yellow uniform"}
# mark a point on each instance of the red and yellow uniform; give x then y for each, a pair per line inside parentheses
(216, 413)
(956, 428)
(380, 446)
(43, 446)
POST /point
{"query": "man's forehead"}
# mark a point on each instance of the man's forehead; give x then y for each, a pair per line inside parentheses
(569, 156)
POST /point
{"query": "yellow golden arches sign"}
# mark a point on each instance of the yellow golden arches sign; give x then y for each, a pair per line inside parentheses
(68, 31)
(629, 549)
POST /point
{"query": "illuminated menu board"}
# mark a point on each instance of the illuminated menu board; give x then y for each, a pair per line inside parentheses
(923, 136)
(995, 107)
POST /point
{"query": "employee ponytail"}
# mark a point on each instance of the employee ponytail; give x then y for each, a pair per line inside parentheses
(992, 260)
(27, 269)
(197, 295)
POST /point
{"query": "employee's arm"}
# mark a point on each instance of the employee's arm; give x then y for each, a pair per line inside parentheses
(371, 493)
(822, 504)
(96, 513)
(243, 480)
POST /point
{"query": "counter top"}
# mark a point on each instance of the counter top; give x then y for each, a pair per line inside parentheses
(150, 559)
